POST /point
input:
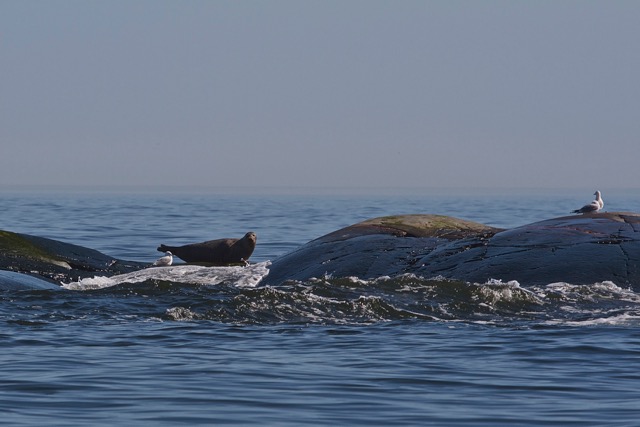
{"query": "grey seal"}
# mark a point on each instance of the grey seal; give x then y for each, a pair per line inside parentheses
(219, 252)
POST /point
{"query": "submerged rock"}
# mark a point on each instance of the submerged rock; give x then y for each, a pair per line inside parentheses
(10, 280)
(56, 261)
(579, 249)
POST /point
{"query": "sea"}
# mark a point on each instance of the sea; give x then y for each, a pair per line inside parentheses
(188, 345)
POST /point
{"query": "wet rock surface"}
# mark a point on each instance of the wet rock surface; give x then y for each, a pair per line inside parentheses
(10, 280)
(578, 249)
(377, 247)
(56, 261)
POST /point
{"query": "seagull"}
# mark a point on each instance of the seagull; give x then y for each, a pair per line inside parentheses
(165, 260)
(599, 199)
(592, 207)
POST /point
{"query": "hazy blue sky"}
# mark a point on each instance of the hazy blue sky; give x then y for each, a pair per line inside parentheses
(320, 93)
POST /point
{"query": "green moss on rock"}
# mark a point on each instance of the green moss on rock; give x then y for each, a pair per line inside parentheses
(14, 246)
(429, 225)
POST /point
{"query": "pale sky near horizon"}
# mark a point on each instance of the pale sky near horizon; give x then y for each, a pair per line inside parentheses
(368, 93)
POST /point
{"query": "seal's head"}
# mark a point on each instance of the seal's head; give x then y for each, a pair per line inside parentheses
(251, 237)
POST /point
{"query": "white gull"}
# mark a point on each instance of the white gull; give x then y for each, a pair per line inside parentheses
(592, 207)
(165, 260)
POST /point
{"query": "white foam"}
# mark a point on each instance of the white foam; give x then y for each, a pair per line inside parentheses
(600, 290)
(240, 276)
(620, 319)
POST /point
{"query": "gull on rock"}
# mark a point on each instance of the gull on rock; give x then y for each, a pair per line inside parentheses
(165, 260)
(592, 207)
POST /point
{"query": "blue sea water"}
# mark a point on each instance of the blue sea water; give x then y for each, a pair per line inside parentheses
(211, 348)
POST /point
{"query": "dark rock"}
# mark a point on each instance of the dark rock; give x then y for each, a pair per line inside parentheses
(376, 247)
(576, 249)
(55, 260)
